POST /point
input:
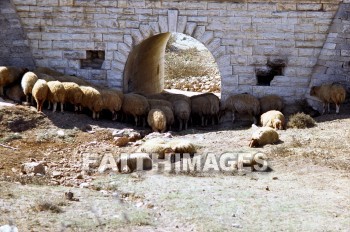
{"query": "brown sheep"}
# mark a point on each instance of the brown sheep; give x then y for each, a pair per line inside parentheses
(111, 102)
(329, 93)
(9, 75)
(56, 94)
(73, 94)
(271, 102)
(201, 106)
(242, 104)
(92, 99)
(135, 105)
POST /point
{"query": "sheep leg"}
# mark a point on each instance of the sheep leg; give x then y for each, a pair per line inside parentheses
(114, 117)
(136, 119)
(54, 107)
(143, 122)
(337, 108)
(324, 108)
(62, 107)
(49, 106)
(186, 122)
(27, 98)
(329, 107)
(1, 91)
(31, 100)
(180, 124)
(98, 115)
(93, 114)
(255, 121)
(202, 118)
(233, 117)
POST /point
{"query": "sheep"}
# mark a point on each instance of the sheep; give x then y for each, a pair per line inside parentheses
(169, 115)
(39, 92)
(135, 105)
(162, 147)
(73, 94)
(271, 102)
(157, 120)
(182, 112)
(201, 106)
(274, 119)
(9, 75)
(242, 104)
(214, 106)
(329, 93)
(111, 101)
(15, 93)
(262, 136)
(92, 99)
(56, 94)
(130, 163)
(154, 103)
(27, 83)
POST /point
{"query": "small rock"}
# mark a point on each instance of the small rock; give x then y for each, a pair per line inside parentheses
(275, 178)
(236, 225)
(84, 185)
(33, 167)
(56, 174)
(121, 141)
(60, 133)
(79, 176)
(134, 136)
(69, 195)
(267, 188)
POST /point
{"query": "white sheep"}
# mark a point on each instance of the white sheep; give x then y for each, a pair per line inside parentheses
(242, 104)
(262, 136)
(271, 102)
(56, 94)
(92, 99)
(27, 83)
(274, 119)
(135, 105)
(39, 92)
(169, 115)
(157, 120)
(9, 75)
(73, 94)
(329, 93)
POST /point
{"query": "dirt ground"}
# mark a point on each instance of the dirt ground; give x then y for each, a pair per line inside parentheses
(308, 188)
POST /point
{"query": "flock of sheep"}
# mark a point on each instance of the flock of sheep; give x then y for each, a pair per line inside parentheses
(161, 110)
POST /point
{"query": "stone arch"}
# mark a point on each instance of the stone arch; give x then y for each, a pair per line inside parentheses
(141, 41)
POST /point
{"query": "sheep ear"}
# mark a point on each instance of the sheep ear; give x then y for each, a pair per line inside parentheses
(254, 127)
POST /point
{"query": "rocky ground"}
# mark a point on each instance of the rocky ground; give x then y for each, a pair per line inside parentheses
(308, 188)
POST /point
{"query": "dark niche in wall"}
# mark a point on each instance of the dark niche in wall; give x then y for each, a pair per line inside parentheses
(94, 60)
(273, 68)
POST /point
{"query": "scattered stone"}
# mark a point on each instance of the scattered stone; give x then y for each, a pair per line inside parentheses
(118, 133)
(267, 188)
(33, 167)
(60, 133)
(275, 178)
(56, 174)
(69, 195)
(134, 136)
(236, 225)
(84, 185)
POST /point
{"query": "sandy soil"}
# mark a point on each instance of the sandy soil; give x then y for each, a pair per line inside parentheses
(308, 189)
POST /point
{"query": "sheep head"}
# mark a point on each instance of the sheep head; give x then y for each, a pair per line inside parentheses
(254, 143)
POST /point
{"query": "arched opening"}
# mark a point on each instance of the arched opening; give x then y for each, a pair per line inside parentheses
(144, 69)
(172, 61)
(190, 66)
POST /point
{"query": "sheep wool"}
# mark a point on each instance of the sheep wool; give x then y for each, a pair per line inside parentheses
(135, 105)
(157, 120)
(27, 83)
(242, 104)
(329, 93)
(262, 136)
(56, 94)
(111, 101)
(73, 94)
(271, 102)
(92, 99)
(9, 75)
(39, 92)
(182, 112)
(274, 119)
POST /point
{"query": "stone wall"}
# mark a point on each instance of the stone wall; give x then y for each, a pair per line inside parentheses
(14, 49)
(243, 36)
(333, 64)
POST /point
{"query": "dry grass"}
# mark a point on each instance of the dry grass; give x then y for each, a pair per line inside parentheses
(301, 121)
(189, 63)
(47, 206)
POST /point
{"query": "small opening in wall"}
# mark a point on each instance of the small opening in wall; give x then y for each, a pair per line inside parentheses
(94, 60)
(266, 74)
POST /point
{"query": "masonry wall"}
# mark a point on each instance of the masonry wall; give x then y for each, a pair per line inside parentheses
(14, 49)
(242, 36)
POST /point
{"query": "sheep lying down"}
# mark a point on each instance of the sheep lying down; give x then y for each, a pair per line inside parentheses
(262, 136)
